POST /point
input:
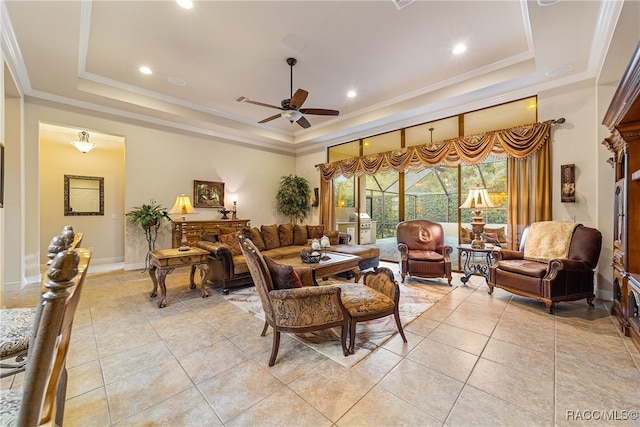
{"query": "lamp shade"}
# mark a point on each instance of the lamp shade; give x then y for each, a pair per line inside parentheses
(478, 198)
(182, 206)
(82, 144)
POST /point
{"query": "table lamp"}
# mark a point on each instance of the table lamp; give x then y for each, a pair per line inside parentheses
(182, 207)
(477, 199)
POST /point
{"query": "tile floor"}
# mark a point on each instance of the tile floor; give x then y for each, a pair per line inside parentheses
(471, 359)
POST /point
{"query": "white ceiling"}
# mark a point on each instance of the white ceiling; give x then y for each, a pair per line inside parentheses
(87, 54)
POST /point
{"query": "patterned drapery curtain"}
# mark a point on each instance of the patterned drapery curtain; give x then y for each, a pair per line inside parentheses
(527, 149)
(517, 142)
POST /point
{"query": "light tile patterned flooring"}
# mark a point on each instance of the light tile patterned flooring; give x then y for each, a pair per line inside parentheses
(471, 359)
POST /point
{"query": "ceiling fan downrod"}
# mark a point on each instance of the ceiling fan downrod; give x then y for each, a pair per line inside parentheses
(291, 62)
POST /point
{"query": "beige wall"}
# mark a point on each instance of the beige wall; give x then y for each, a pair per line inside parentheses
(103, 233)
(579, 142)
(305, 167)
(160, 164)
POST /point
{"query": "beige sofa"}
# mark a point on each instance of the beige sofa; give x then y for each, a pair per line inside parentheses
(228, 268)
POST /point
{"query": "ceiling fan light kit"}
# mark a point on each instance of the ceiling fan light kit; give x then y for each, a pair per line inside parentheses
(290, 107)
(291, 115)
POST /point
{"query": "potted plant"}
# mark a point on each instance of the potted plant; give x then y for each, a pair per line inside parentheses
(293, 197)
(148, 216)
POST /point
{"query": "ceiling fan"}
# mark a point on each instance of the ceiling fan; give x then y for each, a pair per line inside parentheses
(290, 107)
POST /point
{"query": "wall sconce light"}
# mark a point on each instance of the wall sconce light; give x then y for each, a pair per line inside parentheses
(82, 144)
(235, 208)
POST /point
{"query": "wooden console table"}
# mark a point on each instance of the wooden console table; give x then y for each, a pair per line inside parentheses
(195, 229)
(163, 262)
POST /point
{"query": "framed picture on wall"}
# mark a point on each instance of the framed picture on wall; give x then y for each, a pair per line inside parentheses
(568, 182)
(208, 194)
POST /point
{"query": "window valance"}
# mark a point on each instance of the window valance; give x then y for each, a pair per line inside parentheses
(516, 142)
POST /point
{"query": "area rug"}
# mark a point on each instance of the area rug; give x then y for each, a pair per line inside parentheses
(416, 296)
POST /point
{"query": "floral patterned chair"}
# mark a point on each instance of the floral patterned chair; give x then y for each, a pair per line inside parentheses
(295, 310)
(378, 297)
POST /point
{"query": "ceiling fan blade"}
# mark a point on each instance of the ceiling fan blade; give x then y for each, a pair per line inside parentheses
(319, 111)
(262, 104)
(268, 119)
(298, 98)
(303, 122)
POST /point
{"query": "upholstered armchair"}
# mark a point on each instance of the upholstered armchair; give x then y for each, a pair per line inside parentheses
(378, 297)
(554, 263)
(422, 250)
(295, 310)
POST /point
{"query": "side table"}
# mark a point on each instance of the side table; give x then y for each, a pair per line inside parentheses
(471, 266)
(163, 262)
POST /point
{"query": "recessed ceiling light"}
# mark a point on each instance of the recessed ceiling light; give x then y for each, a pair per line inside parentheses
(185, 4)
(459, 49)
(177, 81)
(145, 70)
(351, 94)
(559, 70)
(547, 2)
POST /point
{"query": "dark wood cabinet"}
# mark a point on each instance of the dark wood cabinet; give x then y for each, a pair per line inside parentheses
(195, 229)
(623, 120)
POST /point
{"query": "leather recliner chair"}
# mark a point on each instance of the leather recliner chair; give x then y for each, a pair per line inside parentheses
(422, 250)
(566, 279)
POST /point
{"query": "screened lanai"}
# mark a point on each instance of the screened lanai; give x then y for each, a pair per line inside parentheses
(433, 194)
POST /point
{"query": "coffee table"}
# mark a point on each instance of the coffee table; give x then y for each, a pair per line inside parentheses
(164, 261)
(337, 263)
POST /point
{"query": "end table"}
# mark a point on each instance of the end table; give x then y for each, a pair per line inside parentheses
(472, 266)
(163, 262)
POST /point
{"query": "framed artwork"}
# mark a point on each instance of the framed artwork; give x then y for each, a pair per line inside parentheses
(208, 194)
(568, 180)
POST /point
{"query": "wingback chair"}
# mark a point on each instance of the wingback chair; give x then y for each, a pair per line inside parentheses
(559, 278)
(296, 310)
(422, 250)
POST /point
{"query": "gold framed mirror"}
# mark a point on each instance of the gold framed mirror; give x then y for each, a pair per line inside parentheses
(83, 195)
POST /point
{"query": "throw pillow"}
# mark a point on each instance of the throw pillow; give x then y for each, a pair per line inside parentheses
(466, 235)
(296, 279)
(270, 236)
(231, 240)
(502, 236)
(285, 233)
(227, 230)
(334, 237)
(256, 237)
(300, 234)
(282, 275)
(315, 231)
